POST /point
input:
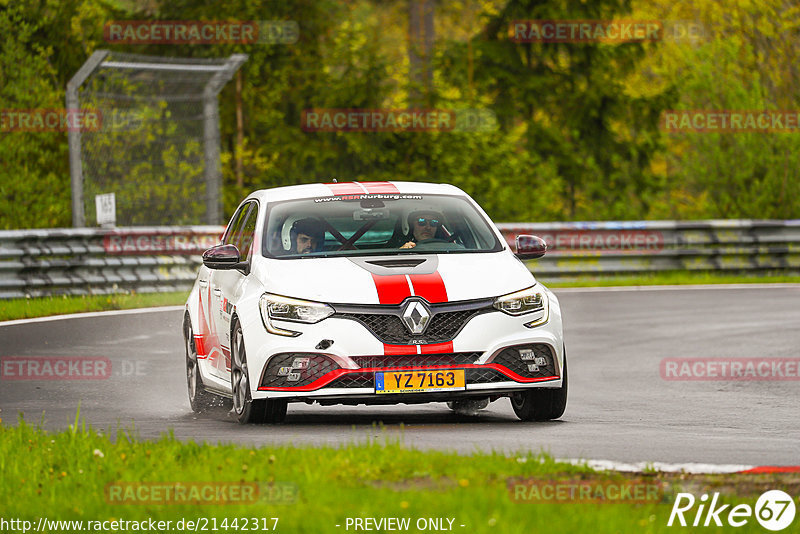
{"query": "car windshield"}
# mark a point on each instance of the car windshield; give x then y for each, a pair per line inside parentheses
(358, 225)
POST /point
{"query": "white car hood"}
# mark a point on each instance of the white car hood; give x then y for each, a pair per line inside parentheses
(380, 280)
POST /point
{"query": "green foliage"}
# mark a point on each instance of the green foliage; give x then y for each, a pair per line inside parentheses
(31, 168)
(578, 134)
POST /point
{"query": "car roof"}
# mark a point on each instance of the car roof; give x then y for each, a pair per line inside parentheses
(292, 192)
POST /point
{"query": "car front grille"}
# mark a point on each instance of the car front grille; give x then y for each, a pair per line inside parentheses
(485, 376)
(385, 323)
(418, 361)
(354, 380)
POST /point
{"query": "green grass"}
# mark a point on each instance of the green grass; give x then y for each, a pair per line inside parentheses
(668, 278)
(65, 476)
(40, 307)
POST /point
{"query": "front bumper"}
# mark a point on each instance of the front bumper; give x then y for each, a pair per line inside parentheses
(487, 348)
(316, 376)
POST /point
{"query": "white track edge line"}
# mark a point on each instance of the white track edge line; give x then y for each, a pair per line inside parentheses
(686, 287)
(663, 467)
(87, 315)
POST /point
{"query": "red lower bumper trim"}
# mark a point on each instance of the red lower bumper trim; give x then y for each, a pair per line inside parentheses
(333, 375)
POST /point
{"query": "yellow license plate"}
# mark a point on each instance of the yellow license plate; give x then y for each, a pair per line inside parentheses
(419, 380)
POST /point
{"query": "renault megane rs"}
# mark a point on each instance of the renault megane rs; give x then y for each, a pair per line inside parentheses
(371, 293)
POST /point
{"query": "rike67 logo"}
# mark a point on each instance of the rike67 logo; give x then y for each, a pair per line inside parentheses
(774, 510)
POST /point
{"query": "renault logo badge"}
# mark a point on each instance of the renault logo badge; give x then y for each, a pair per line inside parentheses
(416, 317)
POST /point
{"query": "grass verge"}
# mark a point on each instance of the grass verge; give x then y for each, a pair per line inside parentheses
(76, 475)
(44, 306)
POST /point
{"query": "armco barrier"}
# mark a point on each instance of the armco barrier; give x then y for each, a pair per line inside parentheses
(85, 261)
(90, 261)
(637, 247)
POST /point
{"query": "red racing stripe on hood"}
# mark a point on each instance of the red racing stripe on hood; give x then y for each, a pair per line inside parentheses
(392, 289)
(395, 288)
(429, 286)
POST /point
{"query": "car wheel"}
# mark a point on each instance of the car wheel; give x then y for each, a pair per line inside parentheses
(541, 404)
(468, 406)
(199, 398)
(246, 409)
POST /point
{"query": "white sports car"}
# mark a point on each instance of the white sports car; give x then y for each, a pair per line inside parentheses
(371, 293)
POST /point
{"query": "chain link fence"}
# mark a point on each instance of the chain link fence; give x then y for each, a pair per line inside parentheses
(156, 145)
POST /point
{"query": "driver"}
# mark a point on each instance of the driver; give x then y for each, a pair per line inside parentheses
(307, 236)
(424, 225)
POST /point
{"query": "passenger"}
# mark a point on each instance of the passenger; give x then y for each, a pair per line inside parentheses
(307, 236)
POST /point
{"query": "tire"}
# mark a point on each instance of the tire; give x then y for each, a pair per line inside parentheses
(542, 404)
(200, 399)
(245, 408)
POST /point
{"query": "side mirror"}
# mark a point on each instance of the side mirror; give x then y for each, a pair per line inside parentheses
(222, 257)
(530, 247)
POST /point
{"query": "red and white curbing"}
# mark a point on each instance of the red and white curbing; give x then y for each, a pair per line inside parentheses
(690, 468)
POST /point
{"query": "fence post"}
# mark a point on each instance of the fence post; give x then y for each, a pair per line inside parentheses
(74, 137)
(211, 137)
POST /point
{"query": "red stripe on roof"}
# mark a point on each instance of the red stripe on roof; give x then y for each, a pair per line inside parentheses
(346, 188)
(381, 187)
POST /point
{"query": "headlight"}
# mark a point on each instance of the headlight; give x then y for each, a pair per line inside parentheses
(276, 307)
(528, 301)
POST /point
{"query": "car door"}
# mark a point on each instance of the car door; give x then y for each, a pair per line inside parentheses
(219, 356)
(225, 283)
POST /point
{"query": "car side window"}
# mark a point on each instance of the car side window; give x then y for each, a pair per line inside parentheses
(234, 227)
(248, 231)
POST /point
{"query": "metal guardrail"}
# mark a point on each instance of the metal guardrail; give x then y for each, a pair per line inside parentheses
(638, 247)
(96, 261)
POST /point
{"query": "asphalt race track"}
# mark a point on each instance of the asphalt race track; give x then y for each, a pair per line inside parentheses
(619, 406)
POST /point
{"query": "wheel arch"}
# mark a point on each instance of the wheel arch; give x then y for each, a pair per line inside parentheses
(192, 310)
